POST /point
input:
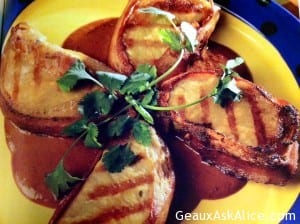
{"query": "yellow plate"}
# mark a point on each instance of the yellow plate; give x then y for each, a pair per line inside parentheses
(262, 203)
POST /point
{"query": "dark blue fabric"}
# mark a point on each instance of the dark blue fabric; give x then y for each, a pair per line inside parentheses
(294, 210)
(287, 37)
(12, 8)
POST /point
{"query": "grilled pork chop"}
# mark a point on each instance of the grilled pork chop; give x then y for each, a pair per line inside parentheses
(136, 38)
(255, 138)
(29, 94)
(141, 193)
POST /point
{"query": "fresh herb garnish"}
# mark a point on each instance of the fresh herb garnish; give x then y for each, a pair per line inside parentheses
(227, 91)
(73, 75)
(140, 109)
(171, 38)
(111, 81)
(136, 83)
(149, 97)
(118, 126)
(95, 104)
(91, 138)
(138, 92)
(60, 181)
(76, 128)
(141, 133)
(117, 158)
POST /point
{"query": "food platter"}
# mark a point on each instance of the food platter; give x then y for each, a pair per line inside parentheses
(266, 65)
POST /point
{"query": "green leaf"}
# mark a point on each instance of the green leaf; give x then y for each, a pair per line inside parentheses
(111, 81)
(171, 38)
(76, 72)
(117, 158)
(140, 109)
(76, 128)
(149, 98)
(95, 104)
(141, 133)
(91, 138)
(227, 92)
(190, 34)
(146, 68)
(144, 113)
(60, 181)
(137, 82)
(119, 126)
(157, 11)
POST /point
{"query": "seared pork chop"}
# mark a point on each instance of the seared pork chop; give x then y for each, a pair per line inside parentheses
(140, 193)
(29, 94)
(136, 39)
(255, 138)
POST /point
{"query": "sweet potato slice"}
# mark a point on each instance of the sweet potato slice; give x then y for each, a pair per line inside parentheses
(136, 38)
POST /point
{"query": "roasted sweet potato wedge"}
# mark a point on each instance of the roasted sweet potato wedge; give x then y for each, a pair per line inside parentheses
(29, 94)
(140, 193)
(255, 138)
(136, 39)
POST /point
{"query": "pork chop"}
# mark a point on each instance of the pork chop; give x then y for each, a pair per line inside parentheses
(140, 193)
(256, 138)
(29, 94)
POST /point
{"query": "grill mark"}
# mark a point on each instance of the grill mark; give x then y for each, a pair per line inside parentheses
(16, 76)
(232, 120)
(260, 130)
(118, 213)
(102, 191)
(204, 105)
(146, 43)
(179, 113)
(180, 100)
(37, 68)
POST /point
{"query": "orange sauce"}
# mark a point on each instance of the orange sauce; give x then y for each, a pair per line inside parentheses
(203, 181)
(92, 39)
(196, 180)
(33, 156)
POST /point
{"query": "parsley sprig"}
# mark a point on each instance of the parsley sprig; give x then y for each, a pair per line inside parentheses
(227, 91)
(73, 75)
(61, 181)
(105, 112)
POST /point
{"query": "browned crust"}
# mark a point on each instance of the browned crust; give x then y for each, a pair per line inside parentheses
(289, 117)
(274, 161)
(159, 208)
(51, 126)
(259, 166)
(23, 41)
(118, 58)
